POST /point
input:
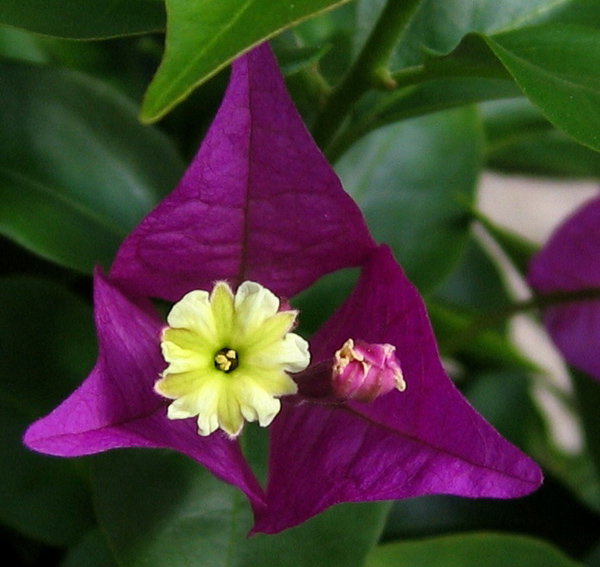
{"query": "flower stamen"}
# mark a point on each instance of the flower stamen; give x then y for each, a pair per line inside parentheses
(226, 360)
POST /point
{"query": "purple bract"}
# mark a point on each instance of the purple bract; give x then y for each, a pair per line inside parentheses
(570, 262)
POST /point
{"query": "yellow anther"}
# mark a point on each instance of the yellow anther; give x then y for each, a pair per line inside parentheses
(226, 360)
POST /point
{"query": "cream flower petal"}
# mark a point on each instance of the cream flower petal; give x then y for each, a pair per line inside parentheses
(202, 402)
(194, 312)
(290, 353)
(221, 303)
(253, 305)
(181, 384)
(271, 380)
(181, 359)
(272, 330)
(230, 416)
(256, 404)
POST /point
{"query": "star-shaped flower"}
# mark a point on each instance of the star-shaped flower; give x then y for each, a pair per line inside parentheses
(229, 357)
(261, 212)
(570, 262)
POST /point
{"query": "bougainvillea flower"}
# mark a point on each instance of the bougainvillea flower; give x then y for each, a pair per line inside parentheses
(230, 357)
(259, 204)
(570, 262)
(364, 371)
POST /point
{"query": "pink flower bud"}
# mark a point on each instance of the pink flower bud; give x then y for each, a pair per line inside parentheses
(363, 371)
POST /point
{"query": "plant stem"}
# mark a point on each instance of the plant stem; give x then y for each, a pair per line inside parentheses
(539, 301)
(369, 69)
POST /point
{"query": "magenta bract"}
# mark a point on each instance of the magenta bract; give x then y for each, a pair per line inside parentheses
(425, 440)
(259, 202)
(117, 407)
(570, 261)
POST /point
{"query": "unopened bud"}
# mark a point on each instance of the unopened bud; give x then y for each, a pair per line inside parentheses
(364, 371)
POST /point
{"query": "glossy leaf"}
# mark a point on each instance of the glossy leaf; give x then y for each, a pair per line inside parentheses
(470, 550)
(554, 66)
(84, 19)
(441, 94)
(77, 171)
(520, 140)
(476, 284)
(547, 153)
(203, 36)
(507, 120)
(439, 27)
(413, 207)
(557, 69)
(159, 508)
(468, 72)
(47, 341)
(17, 44)
(293, 60)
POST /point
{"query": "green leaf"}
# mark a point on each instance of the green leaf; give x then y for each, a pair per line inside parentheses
(500, 396)
(84, 19)
(575, 471)
(520, 140)
(295, 59)
(471, 73)
(508, 121)
(587, 392)
(203, 36)
(553, 65)
(556, 66)
(332, 30)
(77, 170)
(416, 208)
(441, 94)
(548, 153)
(160, 508)
(17, 44)
(440, 26)
(317, 303)
(48, 345)
(476, 284)
(91, 551)
(470, 550)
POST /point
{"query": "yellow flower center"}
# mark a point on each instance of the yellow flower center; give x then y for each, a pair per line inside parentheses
(226, 360)
(229, 356)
